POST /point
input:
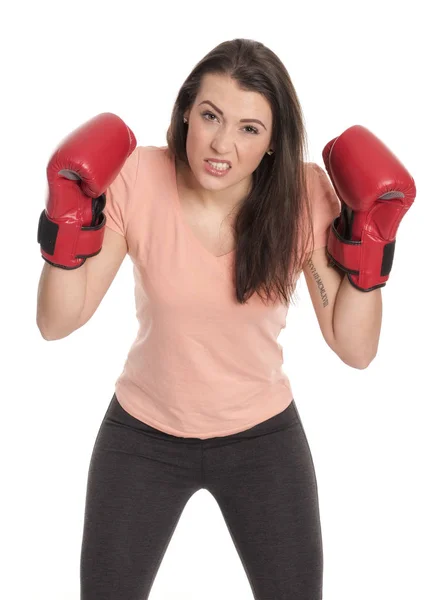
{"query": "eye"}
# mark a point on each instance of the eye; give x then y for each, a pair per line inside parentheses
(254, 130)
(208, 113)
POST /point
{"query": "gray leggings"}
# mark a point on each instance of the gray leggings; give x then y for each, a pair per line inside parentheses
(140, 480)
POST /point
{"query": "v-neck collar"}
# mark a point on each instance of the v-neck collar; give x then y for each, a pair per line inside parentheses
(181, 218)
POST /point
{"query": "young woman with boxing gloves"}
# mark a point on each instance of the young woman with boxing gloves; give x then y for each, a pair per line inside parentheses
(219, 224)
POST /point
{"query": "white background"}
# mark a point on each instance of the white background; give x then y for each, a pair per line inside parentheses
(373, 433)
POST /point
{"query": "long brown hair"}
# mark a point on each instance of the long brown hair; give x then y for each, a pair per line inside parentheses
(271, 233)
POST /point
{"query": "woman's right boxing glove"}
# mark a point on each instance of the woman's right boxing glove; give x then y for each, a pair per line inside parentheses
(71, 228)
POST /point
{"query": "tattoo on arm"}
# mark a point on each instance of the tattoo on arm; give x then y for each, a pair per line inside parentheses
(319, 283)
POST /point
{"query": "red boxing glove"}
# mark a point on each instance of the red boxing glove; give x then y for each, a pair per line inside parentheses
(71, 228)
(375, 191)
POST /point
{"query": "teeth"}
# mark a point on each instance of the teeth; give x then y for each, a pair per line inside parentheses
(219, 166)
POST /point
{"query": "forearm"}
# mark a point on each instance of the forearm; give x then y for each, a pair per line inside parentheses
(60, 300)
(357, 319)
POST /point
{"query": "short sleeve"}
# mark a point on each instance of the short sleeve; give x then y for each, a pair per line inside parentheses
(118, 194)
(325, 204)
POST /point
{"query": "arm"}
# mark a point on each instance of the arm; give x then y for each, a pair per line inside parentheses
(68, 299)
(375, 191)
(349, 320)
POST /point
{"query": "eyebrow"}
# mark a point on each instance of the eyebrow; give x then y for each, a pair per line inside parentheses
(241, 120)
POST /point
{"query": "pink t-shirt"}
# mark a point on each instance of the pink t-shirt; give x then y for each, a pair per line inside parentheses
(202, 365)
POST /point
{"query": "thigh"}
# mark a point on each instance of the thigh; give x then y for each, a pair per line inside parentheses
(266, 488)
(138, 485)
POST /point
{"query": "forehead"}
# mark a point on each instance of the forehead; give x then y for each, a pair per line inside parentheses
(225, 93)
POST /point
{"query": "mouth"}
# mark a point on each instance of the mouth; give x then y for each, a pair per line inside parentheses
(215, 162)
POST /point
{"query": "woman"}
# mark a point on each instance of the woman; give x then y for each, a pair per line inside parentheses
(219, 224)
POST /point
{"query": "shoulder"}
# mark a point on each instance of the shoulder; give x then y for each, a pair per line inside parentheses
(152, 152)
(319, 186)
(153, 156)
(314, 174)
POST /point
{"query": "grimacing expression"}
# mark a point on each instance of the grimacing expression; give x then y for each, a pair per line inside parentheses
(241, 135)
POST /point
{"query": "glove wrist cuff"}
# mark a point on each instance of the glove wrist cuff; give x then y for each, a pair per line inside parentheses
(367, 262)
(67, 244)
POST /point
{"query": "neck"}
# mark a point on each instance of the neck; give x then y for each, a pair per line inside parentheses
(222, 201)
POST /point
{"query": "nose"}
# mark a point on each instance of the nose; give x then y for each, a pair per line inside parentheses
(223, 141)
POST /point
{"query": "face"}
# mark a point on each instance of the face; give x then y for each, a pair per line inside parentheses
(225, 137)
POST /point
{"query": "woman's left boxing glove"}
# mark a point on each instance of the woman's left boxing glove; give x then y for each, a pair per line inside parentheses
(375, 191)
